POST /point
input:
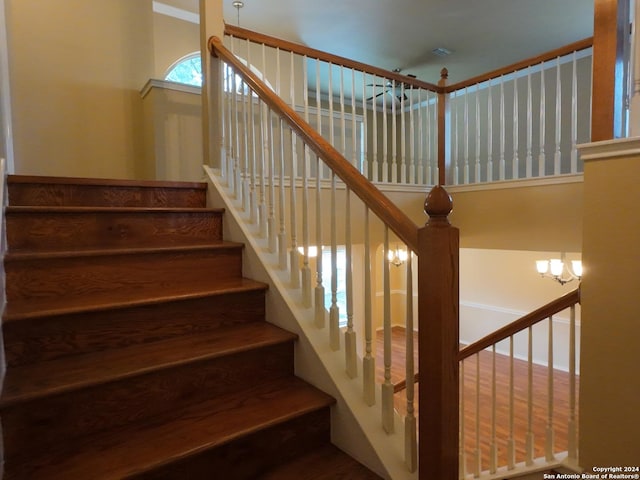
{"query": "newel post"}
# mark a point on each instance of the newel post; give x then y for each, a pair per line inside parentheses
(444, 128)
(438, 315)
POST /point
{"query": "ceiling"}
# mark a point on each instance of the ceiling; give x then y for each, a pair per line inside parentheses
(401, 34)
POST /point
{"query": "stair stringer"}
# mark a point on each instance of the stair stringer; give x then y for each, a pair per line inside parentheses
(355, 427)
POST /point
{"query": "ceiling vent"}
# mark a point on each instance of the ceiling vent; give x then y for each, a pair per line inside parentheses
(441, 52)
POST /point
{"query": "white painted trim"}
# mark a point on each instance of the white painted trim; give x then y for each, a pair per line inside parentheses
(178, 87)
(517, 183)
(609, 149)
(509, 311)
(179, 13)
(5, 95)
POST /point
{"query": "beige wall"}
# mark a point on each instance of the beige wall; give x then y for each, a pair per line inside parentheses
(610, 384)
(543, 217)
(173, 39)
(76, 69)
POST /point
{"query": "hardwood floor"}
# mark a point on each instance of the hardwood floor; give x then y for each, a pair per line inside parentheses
(540, 401)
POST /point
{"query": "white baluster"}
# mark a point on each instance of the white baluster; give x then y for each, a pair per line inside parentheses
(306, 271)
(343, 125)
(529, 158)
(410, 439)
(434, 143)
(466, 136)
(233, 130)
(542, 158)
(548, 448)
(502, 131)
(530, 439)
(351, 359)
(394, 135)
(557, 158)
(293, 261)
(387, 386)
(489, 133)
(412, 139)
(574, 114)
(421, 141)
(365, 132)
(262, 207)
(331, 129)
(493, 447)
(462, 461)
(246, 188)
(456, 147)
(334, 313)
(264, 158)
(511, 443)
(253, 203)
(368, 361)
(293, 252)
(318, 115)
(572, 428)
(477, 178)
(271, 221)
(515, 166)
(319, 290)
(374, 165)
(385, 151)
(403, 138)
(478, 453)
(354, 135)
(282, 235)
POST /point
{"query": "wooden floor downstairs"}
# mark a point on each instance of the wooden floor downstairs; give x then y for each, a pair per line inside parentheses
(560, 417)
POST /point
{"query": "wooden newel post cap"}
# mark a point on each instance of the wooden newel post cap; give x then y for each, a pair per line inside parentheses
(438, 205)
(444, 76)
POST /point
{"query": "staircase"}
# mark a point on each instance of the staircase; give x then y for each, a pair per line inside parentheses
(135, 349)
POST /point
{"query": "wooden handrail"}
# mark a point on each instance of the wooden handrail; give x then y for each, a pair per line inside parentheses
(528, 320)
(505, 332)
(558, 52)
(384, 208)
(287, 46)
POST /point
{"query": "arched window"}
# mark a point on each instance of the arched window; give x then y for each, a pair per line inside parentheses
(188, 70)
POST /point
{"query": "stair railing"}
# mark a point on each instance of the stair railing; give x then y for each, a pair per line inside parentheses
(384, 122)
(298, 192)
(510, 402)
(521, 121)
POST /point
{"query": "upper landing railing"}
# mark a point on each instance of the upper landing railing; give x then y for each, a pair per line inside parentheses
(521, 121)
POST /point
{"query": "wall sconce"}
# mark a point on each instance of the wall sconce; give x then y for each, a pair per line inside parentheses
(397, 257)
(559, 270)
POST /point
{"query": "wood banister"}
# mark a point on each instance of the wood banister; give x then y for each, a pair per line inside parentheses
(287, 46)
(384, 208)
(438, 316)
(558, 52)
(522, 323)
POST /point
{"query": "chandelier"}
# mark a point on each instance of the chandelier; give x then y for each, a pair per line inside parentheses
(397, 257)
(559, 270)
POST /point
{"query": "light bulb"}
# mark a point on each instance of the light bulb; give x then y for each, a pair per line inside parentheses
(542, 266)
(556, 266)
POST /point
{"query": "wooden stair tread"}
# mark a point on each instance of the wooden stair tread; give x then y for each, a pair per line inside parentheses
(100, 209)
(151, 444)
(29, 382)
(104, 182)
(26, 256)
(325, 463)
(34, 308)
